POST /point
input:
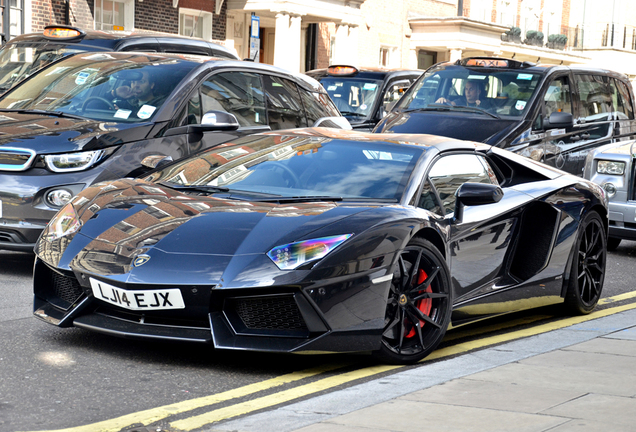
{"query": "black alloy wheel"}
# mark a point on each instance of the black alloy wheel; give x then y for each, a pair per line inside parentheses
(585, 283)
(419, 305)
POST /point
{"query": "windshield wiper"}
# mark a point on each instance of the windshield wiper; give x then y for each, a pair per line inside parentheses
(198, 188)
(297, 199)
(39, 111)
(351, 113)
(444, 107)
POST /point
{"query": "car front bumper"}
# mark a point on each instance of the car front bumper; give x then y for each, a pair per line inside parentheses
(622, 220)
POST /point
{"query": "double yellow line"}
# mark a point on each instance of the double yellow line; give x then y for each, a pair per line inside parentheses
(153, 415)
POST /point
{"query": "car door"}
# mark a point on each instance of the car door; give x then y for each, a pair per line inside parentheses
(481, 241)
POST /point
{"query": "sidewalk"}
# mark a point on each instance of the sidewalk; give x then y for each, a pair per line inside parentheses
(580, 378)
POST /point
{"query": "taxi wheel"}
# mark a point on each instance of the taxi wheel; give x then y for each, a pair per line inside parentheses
(418, 309)
(588, 266)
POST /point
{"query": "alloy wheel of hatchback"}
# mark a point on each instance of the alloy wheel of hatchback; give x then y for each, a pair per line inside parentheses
(419, 305)
(588, 268)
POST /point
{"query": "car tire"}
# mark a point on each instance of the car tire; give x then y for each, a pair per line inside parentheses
(419, 304)
(612, 243)
(585, 283)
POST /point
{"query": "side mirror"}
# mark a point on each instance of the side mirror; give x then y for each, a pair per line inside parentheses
(333, 122)
(474, 194)
(156, 161)
(558, 120)
(219, 120)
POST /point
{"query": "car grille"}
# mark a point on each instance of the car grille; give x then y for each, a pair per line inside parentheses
(270, 313)
(14, 159)
(66, 288)
(10, 237)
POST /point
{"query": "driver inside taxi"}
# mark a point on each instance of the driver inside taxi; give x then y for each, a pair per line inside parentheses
(472, 97)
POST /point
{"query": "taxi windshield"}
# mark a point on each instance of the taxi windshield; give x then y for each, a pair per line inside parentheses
(100, 86)
(18, 62)
(497, 92)
(354, 97)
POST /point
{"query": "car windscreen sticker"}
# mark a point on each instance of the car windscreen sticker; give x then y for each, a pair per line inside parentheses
(332, 88)
(477, 77)
(520, 105)
(363, 106)
(81, 78)
(522, 76)
(122, 114)
(369, 86)
(145, 111)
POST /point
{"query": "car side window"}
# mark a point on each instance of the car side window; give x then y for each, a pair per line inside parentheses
(239, 93)
(449, 172)
(428, 199)
(193, 111)
(284, 107)
(558, 97)
(317, 106)
(596, 102)
(622, 100)
(394, 92)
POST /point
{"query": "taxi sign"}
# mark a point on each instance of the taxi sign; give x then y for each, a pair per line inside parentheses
(487, 62)
(342, 70)
(62, 32)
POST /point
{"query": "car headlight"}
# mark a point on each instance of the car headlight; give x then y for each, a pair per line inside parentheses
(65, 222)
(72, 161)
(610, 167)
(293, 255)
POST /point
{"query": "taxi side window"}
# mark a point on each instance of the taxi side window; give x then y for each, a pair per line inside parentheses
(558, 97)
(394, 92)
(239, 93)
(284, 107)
(596, 102)
(428, 199)
(450, 172)
(317, 106)
(621, 100)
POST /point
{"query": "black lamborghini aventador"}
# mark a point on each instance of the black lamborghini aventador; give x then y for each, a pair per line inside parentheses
(325, 241)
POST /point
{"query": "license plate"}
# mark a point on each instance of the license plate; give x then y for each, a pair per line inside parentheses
(160, 299)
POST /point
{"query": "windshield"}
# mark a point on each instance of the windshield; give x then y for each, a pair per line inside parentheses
(299, 167)
(498, 92)
(18, 62)
(354, 97)
(101, 86)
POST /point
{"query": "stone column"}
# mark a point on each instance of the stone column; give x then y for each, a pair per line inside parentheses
(455, 54)
(281, 42)
(341, 52)
(294, 36)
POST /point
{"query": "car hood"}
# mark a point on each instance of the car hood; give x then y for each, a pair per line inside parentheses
(623, 148)
(464, 125)
(52, 134)
(128, 218)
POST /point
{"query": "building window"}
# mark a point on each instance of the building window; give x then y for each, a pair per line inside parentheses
(332, 49)
(386, 56)
(12, 22)
(114, 15)
(195, 23)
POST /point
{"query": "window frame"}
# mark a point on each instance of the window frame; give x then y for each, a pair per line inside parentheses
(129, 15)
(202, 16)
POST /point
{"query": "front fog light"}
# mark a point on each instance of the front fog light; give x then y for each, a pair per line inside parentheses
(58, 197)
(610, 189)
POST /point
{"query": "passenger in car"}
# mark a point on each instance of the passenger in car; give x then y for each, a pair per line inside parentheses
(472, 97)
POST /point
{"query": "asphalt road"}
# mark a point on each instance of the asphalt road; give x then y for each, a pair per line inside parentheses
(54, 378)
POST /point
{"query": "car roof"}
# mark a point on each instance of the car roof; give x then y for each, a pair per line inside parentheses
(542, 69)
(367, 72)
(115, 40)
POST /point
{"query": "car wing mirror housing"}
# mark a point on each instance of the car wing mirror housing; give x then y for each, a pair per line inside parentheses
(215, 121)
(474, 194)
(156, 161)
(559, 120)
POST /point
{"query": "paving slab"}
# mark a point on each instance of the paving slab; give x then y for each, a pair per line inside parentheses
(584, 361)
(495, 395)
(405, 415)
(606, 345)
(577, 425)
(611, 410)
(562, 378)
(629, 333)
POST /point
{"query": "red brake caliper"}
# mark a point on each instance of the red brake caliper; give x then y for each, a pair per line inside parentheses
(423, 305)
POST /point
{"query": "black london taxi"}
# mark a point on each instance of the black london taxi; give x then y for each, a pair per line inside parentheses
(552, 114)
(364, 94)
(95, 116)
(24, 54)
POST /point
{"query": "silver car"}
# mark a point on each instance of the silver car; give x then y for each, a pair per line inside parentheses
(612, 166)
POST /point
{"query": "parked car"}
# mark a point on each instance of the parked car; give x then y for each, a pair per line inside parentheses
(319, 240)
(25, 54)
(552, 114)
(612, 166)
(95, 116)
(364, 95)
